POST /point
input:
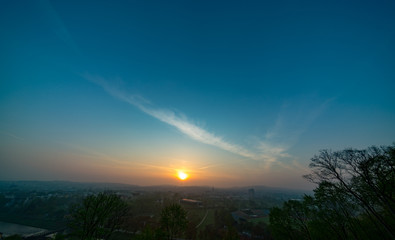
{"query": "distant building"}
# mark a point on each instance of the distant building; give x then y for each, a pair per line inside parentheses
(251, 194)
(240, 216)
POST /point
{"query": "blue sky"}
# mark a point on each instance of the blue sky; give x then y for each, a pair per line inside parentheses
(233, 93)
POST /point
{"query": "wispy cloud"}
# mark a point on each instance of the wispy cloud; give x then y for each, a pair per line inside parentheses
(287, 129)
(295, 118)
(57, 25)
(11, 135)
(196, 132)
(172, 118)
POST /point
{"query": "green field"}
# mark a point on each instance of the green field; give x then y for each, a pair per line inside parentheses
(199, 214)
(258, 220)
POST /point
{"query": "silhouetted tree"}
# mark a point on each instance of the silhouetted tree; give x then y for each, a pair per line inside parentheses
(149, 233)
(354, 198)
(59, 236)
(231, 234)
(14, 237)
(292, 220)
(280, 224)
(98, 216)
(173, 220)
(333, 212)
(366, 177)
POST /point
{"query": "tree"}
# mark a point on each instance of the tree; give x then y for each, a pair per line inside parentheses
(231, 234)
(59, 236)
(335, 214)
(14, 237)
(98, 216)
(365, 177)
(354, 198)
(147, 234)
(292, 220)
(173, 220)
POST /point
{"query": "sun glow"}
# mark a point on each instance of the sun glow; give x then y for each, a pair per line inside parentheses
(182, 176)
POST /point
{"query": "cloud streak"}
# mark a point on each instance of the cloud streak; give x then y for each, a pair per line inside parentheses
(57, 25)
(273, 147)
(11, 135)
(173, 119)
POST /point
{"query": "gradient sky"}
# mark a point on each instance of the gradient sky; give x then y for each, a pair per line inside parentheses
(232, 92)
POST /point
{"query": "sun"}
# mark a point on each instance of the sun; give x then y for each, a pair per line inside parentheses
(182, 176)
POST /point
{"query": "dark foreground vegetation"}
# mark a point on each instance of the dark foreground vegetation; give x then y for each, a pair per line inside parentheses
(354, 199)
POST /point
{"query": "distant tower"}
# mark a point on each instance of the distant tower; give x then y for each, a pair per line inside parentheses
(251, 194)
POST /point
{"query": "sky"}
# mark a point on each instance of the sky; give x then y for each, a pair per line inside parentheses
(233, 93)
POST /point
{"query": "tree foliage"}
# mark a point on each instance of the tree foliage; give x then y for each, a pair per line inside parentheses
(355, 198)
(149, 233)
(173, 220)
(291, 221)
(98, 216)
(14, 237)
